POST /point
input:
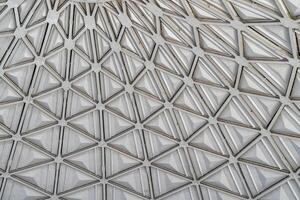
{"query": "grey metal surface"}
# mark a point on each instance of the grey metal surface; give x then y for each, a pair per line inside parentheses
(149, 99)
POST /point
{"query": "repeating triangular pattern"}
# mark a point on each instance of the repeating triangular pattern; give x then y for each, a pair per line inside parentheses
(149, 99)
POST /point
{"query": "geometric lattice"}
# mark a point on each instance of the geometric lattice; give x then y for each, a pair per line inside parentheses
(149, 99)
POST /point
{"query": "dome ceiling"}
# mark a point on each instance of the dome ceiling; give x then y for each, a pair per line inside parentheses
(149, 99)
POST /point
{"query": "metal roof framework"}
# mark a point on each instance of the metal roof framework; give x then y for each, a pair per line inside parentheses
(149, 99)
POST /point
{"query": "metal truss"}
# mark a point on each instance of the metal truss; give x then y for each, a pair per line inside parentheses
(149, 99)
